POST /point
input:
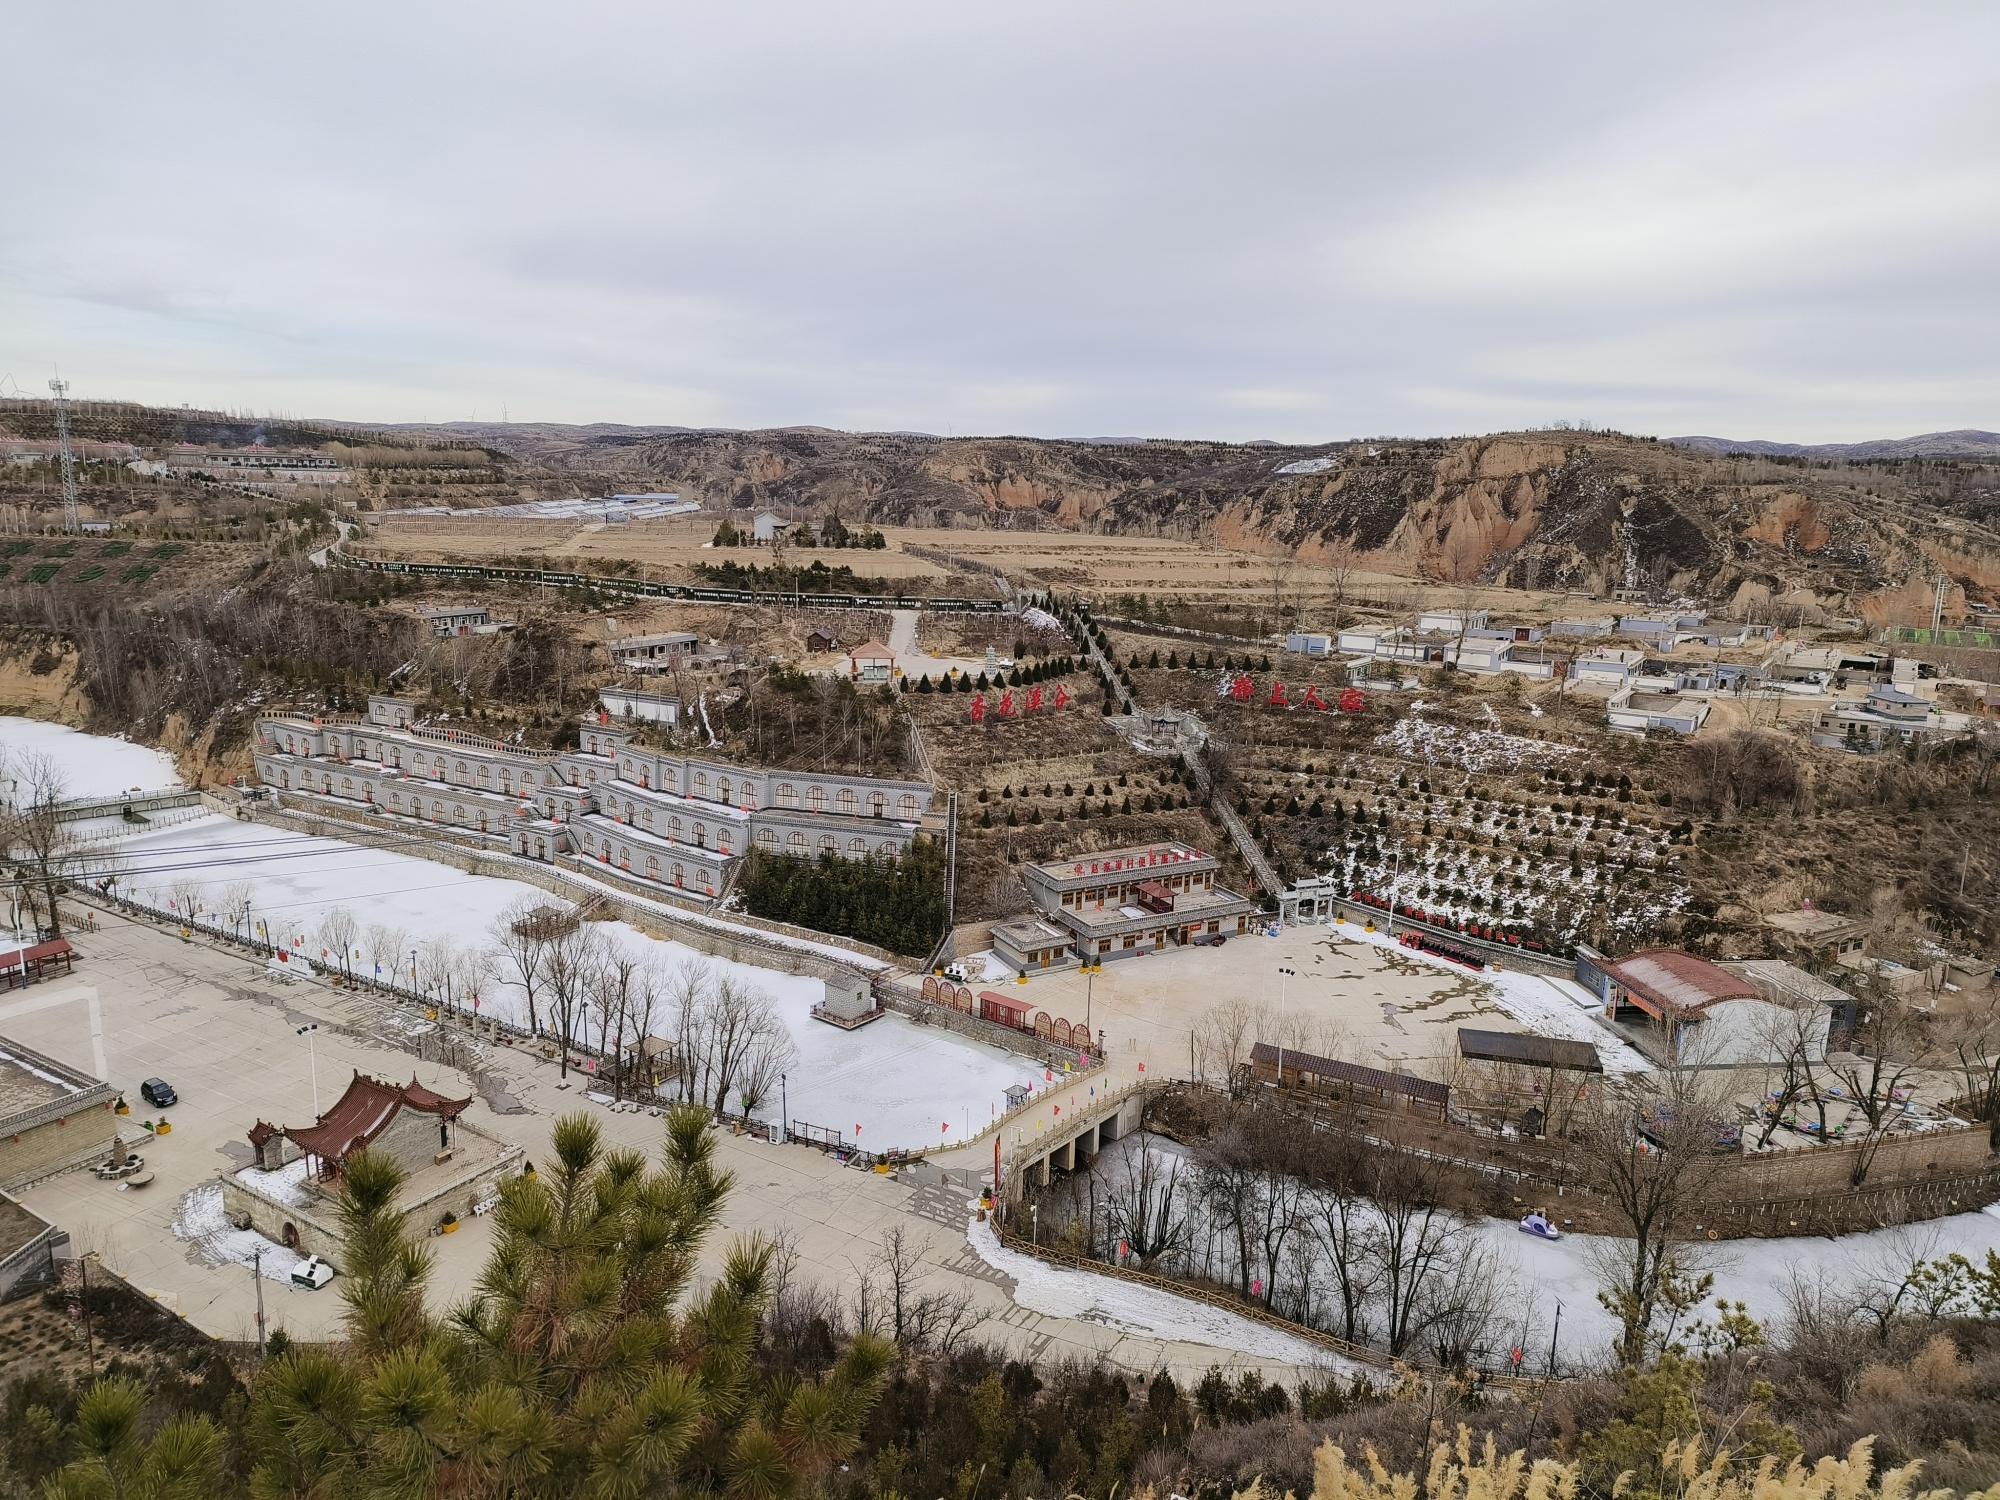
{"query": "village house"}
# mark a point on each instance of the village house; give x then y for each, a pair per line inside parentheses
(768, 526)
(1121, 903)
(1888, 717)
(1682, 1010)
(1309, 643)
(455, 619)
(1633, 711)
(659, 652)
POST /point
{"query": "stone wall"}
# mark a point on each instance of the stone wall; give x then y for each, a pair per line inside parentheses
(1902, 1159)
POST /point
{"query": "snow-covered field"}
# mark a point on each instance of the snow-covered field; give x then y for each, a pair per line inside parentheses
(93, 765)
(898, 1083)
(1062, 1293)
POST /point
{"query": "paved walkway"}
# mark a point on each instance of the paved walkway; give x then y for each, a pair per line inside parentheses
(223, 1032)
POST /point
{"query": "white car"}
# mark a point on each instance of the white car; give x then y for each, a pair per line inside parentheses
(312, 1273)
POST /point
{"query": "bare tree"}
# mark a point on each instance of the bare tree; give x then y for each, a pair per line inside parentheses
(385, 947)
(339, 934)
(474, 972)
(234, 904)
(1221, 1039)
(934, 1321)
(1340, 559)
(521, 934)
(689, 993)
(1651, 1181)
(1418, 1242)
(1873, 1079)
(37, 839)
(1146, 1204)
(571, 957)
(186, 895)
(744, 1027)
(437, 959)
(1795, 1040)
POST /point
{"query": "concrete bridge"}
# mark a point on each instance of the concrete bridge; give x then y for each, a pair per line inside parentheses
(78, 809)
(1062, 1128)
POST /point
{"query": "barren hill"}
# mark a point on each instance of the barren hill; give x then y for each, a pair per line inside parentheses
(1589, 511)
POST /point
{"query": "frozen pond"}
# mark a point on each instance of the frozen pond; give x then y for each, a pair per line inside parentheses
(898, 1083)
(93, 765)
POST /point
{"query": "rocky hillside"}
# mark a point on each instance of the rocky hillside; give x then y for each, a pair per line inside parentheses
(1964, 442)
(1587, 511)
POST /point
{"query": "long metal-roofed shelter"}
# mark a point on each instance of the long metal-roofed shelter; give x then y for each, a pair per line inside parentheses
(1529, 1051)
(1289, 1066)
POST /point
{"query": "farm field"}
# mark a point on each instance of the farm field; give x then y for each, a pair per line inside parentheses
(669, 547)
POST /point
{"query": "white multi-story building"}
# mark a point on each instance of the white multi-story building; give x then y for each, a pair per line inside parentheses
(676, 821)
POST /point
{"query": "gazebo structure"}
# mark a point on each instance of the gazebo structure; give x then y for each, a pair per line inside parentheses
(407, 1121)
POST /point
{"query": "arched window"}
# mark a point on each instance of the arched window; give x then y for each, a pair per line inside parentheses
(722, 789)
(624, 858)
(674, 828)
(767, 838)
(627, 771)
(701, 783)
(826, 844)
(795, 842)
(347, 786)
(458, 770)
(856, 848)
(847, 799)
(886, 848)
(485, 774)
(907, 805)
(877, 804)
(788, 795)
(652, 867)
(679, 879)
(458, 813)
(724, 842)
(817, 799)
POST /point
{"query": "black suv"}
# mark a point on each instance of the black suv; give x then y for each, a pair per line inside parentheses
(158, 1093)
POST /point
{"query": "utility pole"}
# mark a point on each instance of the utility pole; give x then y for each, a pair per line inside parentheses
(72, 520)
(257, 1276)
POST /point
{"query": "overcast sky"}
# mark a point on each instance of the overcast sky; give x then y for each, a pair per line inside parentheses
(1228, 220)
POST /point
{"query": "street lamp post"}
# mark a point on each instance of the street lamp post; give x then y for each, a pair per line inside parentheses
(1091, 971)
(312, 1060)
(784, 1110)
(1285, 976)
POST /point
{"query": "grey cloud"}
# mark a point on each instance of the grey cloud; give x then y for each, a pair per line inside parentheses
(1256, 220)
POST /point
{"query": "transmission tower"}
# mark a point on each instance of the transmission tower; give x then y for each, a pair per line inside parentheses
(72, 521)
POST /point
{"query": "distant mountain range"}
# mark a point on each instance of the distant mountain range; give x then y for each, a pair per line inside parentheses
(1967, 442)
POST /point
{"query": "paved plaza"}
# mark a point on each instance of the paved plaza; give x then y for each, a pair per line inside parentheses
(225, 1034)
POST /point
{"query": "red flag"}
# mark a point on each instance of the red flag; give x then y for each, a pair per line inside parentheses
(944, 1126)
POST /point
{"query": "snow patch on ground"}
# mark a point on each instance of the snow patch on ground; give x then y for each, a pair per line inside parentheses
(93, 765)
(898, 1082)
(1104, 1300)
(1040, 619)
(1547, 1007)
(1434, 742)
(1307, 466)
(202, 1221)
